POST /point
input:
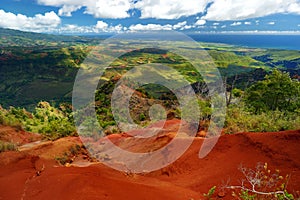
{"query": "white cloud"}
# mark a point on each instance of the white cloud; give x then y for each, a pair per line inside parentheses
(109, 8)
(224, 26)
(150, 27)
(101, 25)
(262, 32)
(98, 8)
(236, 24)
(247, 23)
(38, 23)
(67, 10)
(218, 10)
(179, 25)
(170, 9)
(200, 22)
(221, 10)
(186, 27)
(216, 24)
(271, 23)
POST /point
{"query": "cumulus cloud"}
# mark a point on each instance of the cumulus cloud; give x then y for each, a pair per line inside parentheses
(67, 10)
(215, 10)
(100, 27)
(236, 24)
(221, 10)
(150, 27)
(271, 23)
(109, 8)
(186, 27)
(179, 25)
(39, 23)
(200, 22)
(113, 9)
(247, 23)
(170, 9)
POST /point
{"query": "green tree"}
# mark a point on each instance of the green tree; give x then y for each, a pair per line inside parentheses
(276, 92)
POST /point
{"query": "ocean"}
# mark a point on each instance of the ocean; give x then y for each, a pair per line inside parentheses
(288, 42)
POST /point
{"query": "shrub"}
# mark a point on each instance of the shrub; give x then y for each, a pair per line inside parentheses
(238, 119)
(7, 146)
(261, 184)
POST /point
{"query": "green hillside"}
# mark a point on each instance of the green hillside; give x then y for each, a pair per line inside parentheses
(15, 38)
(37, 67)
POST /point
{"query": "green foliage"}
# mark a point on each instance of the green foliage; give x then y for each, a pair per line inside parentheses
(245, 195)
(225, 59)
(237, 93)
(277, 92)
(53, 123)
(239, 119)
(142, 117)
(267, 106)
(210, 192)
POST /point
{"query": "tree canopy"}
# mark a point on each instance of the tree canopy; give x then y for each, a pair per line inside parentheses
(276, 92)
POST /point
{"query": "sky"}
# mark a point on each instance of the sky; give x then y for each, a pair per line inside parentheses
(114, 16)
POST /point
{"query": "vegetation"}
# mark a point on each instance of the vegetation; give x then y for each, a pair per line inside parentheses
(262, 85)
(262, 183)
(51, 122)
(210, 193)
(240, 119)
(277, 92)
(68, 156)
(7, 146)
(272, 104)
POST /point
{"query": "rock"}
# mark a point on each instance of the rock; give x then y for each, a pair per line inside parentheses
(221, 194)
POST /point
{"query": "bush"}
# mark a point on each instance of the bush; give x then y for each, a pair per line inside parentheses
(53, 123)
(7, 146)
(261, 184)
(238, 119)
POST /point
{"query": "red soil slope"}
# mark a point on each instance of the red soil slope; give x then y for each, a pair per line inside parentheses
(33, 173)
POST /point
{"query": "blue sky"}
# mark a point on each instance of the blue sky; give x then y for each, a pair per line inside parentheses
(111, 16)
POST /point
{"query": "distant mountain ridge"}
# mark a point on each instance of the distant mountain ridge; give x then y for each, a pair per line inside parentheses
(10, 37)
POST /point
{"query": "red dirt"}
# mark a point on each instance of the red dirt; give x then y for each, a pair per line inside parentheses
(19, 137)
(33, 174)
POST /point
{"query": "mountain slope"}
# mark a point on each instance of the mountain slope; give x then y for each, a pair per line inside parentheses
(9, 38)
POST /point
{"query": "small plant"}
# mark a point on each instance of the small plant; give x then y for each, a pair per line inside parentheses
(142, 117)
(7, 146)
(261, 183)
(68, 156)
(210, 192)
